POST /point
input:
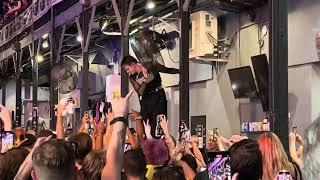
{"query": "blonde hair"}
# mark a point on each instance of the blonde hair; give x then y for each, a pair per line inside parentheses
(273, 156)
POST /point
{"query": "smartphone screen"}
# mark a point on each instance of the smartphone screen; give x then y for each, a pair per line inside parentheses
(219, 166)
(127, 147)
(283, 175)
(294, 129)
(7, 141)
(159, 131)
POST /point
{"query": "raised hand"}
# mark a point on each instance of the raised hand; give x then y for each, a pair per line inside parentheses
(120, 105)
(145, 72)
(164, 125)
(62, 105)
(147, 129)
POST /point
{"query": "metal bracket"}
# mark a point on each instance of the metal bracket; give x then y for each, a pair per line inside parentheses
(60, 43)
(117, 12)
(87, 42)
(79, 29)
(126, 27)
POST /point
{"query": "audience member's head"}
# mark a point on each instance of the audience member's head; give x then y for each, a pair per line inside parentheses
(134, 164)
(311, 154)
(84, 145)
(246, 160)
(212, 145)
(273, 156)
(46, 133)
(93, 164)
(169, 173)
(28, 142)
(191, 161)
(156, 151)
(11, 161)
(53, 160)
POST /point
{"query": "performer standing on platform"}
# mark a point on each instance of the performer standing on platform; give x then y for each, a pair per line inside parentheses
(146, 81)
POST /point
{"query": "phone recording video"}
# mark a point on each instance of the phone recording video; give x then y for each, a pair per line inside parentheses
(159, 131)
(294, 129)
(127, 147)
(7, 141)
(219, 166)
(284, 175)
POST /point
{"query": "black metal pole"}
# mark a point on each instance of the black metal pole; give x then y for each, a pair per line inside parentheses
(18, 90)
(184, 65)
(34, 93)
(124, 50)
(54, 45)
(279, 69)
(34, 80)
(4, 84)
(85, 69)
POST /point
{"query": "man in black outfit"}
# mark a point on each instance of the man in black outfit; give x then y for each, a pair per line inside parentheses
(146, 81)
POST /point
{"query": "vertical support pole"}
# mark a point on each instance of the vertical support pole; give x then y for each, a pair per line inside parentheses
(184, 64)
(124, 49)
(85, 70)
(279, 70)
(34, 91)
(34, 79)
(4, 87)
(18, 58)
(54, 45)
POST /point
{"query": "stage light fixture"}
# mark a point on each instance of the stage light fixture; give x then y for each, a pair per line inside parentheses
(39, 58)
(45, 44)
(79, 38)
(150, 4)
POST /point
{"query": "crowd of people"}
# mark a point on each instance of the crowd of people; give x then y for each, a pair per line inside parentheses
(109, 149)
(114, 151)
(11, 8)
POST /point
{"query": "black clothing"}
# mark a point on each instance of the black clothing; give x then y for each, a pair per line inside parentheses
(152, 96)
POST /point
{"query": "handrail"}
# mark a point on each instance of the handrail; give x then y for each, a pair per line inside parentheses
(24, 20)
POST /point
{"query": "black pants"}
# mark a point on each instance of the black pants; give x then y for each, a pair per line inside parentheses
(153, 104)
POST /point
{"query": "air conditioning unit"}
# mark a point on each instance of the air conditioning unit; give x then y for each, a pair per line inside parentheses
(204, 28)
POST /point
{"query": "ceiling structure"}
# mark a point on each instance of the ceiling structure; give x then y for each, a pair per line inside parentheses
(105, 23)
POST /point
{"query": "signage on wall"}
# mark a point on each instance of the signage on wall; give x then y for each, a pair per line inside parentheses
(25, 19)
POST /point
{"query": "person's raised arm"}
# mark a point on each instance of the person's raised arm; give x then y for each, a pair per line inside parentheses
(5, 115)
(164, 69)
(139, 125)
(99, 135)
(26, 167)
(292, 149)
(114, 158)
(168, 139)
(59, 126)
(108, 134)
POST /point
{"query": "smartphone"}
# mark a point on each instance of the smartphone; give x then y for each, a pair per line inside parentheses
(219, 165)
(284, 175)
(127, 147)
(7, 141)
(294, 129)
(159, 131)
(216, 131)
(86, 114)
